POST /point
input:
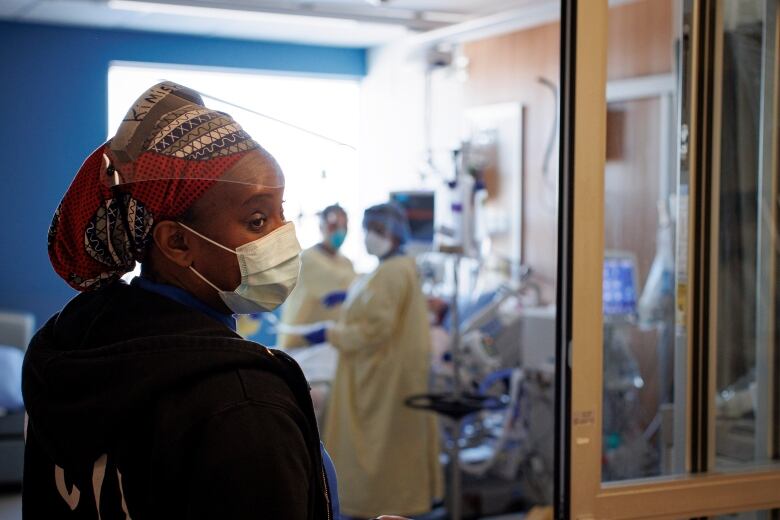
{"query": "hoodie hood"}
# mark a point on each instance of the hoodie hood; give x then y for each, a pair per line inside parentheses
(102, 362)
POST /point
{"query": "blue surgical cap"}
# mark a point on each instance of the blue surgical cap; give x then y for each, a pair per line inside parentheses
(392, 217)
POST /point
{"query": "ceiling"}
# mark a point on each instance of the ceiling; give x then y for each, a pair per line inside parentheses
(357, 23)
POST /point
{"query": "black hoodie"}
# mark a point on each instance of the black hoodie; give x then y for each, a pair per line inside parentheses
(140, 407)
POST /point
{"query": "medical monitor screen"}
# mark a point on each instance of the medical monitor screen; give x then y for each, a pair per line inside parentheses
(419, 207)
(620, 294)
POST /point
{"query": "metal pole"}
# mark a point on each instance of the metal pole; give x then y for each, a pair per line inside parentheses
(455, 475)
(455, 327)
(456, 500)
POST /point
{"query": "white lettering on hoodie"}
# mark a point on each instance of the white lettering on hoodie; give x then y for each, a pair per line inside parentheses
(73, 496)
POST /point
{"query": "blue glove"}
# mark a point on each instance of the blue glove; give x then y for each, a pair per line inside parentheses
(334, 298)
(315, 337)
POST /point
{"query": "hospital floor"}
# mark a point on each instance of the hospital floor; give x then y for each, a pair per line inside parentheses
(11, 509)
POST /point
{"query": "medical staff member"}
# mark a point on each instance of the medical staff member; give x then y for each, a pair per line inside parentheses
(143, 402)
(386, 454)
(326, 275)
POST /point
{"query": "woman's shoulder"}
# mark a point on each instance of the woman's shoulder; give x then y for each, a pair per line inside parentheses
(310, 254)
(317, 254)
(396, 265)
(343, 260)
(266, 391)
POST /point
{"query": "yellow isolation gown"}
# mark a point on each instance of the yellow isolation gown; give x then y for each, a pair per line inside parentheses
(386, 455)
(321, 274)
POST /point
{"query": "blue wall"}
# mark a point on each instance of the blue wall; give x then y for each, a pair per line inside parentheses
(53, 94)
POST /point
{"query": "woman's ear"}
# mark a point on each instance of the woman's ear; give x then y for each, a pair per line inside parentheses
(173, 242)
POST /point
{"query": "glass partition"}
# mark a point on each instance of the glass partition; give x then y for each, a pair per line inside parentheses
(640, 212)
(747, 238)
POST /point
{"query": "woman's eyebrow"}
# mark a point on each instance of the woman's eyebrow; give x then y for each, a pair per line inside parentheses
(259, 197)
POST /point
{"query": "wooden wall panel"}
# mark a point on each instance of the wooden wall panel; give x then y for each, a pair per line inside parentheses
(507, 68)
(640, 38)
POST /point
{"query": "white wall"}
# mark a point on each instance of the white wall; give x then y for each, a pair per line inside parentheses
(392, 140)
(392, 125)
(391, 129)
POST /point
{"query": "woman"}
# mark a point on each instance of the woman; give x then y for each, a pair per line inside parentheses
(386, 453)
(325, 277)
(142, 400)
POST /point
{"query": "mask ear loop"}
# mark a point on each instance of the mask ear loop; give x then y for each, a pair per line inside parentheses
(119, 197)
(204, 279)
(207, 239)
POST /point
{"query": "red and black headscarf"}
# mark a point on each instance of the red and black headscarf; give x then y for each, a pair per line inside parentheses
(169, 150)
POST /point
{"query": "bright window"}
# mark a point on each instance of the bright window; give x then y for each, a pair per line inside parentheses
(318, 172)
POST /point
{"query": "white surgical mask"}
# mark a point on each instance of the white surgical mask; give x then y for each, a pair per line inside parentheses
(378, 245)
(269, 271)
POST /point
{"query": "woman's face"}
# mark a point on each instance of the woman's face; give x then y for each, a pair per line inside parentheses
(378, 228)
(335, 221)
(234, 214)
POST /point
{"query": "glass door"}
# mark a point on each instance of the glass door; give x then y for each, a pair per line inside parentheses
(669, 260)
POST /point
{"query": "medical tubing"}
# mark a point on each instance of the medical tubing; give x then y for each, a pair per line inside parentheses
(280, 121)
(480, 469)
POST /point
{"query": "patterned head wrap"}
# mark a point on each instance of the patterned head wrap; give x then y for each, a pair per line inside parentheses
(169, 150)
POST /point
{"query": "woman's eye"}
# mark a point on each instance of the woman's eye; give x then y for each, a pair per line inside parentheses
(257, 222)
